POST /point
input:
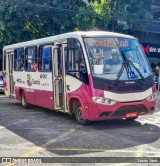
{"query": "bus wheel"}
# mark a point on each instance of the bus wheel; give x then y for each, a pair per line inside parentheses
(23, 101)
(79, 118)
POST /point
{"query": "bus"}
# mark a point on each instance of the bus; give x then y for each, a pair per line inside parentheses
(93, 75)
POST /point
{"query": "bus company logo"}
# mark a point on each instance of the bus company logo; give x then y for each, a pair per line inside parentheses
(130, 82)
(20, 81)
(29, 80)
(43, 76)
(37, 82)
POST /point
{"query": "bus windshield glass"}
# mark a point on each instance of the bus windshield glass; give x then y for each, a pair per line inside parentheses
(107, 57)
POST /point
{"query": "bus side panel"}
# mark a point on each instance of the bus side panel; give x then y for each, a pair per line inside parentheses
(44, 98)
(79, 91)
(18, 92)
(6, 78)
(29, 94)
(5, 83)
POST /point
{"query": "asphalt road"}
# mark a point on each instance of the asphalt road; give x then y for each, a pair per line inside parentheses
(38, 132)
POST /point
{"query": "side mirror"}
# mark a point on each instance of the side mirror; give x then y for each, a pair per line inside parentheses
(83, 69)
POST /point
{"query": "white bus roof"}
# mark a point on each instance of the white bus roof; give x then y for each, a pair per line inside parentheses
(68, 35)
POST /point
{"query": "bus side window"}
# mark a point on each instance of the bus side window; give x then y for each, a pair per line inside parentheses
(19, 59)
(75, 63)
(31, 58)
(45, 58)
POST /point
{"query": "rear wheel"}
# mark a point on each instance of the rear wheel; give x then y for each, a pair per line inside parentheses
(79, 116)
(23, 101)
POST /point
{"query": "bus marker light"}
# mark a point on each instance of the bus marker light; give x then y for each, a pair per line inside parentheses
(109, 101)
(103, 100)
(132, 114)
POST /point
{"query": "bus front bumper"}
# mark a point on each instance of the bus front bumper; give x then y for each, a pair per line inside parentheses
(120, 110)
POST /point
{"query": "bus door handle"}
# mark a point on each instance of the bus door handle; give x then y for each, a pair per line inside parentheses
(68, 87)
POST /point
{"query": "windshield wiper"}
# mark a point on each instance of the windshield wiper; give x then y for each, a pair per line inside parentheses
(127, 65)
(140, 74)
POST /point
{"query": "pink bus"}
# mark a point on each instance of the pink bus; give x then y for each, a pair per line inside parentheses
(92, 75)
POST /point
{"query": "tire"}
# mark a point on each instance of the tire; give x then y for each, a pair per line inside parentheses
(23, 101)
(79, 118)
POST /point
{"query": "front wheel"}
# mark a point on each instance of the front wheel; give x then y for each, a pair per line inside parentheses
(79, 117)
(23, 101)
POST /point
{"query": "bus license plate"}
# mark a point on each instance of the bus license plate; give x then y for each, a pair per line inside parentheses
(132, 114)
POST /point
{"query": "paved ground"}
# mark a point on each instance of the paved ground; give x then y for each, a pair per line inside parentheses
(38, 132)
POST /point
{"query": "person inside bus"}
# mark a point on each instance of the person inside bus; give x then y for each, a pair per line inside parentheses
(35, 66)
(81, 67)
(114, 63)
(98, 59)
(21, 65)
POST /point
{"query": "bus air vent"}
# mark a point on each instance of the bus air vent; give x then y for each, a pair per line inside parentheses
(141, 109)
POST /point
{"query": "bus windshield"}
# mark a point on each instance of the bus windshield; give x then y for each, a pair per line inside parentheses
(107, 57)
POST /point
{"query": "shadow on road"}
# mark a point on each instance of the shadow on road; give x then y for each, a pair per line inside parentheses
(39, 126)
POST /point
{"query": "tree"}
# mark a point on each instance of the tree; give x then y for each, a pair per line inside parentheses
(22, 20)
(130, 14)
(96, 14)
(142, 14)
(115, 15)
(26, 20)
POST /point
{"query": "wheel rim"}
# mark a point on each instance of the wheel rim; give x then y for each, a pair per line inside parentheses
(23, 100)
(79, 114)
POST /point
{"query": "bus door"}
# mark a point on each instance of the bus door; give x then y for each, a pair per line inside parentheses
(9, 73)
(59, 80)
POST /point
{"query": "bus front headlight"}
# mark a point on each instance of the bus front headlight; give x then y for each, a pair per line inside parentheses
(151, 97)
(103, 100)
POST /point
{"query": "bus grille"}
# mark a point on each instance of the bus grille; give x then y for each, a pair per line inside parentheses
(105, 114)
(127, 88)
(129, 109)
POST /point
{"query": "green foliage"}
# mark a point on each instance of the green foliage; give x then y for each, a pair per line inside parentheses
(138, 13)
(27, 19)
(97, 14)
(22, 20)
(132, 13)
